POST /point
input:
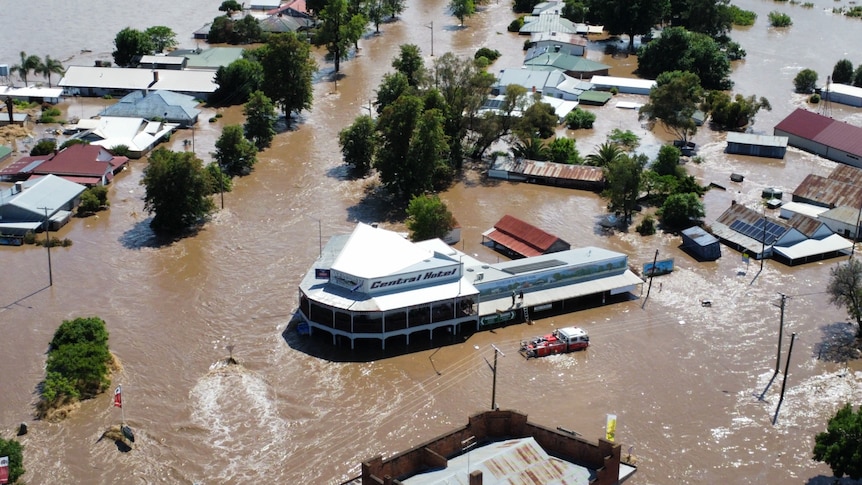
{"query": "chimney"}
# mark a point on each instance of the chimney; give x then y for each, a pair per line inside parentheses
(155, 78)
(476, 477)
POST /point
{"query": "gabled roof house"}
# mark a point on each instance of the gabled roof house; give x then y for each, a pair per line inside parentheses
(25, 205)
(88, 165)
(523, 239)
(166, 105)
(138, 134)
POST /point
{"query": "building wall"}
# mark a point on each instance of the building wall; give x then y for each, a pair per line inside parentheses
(756, 150)
(842, 98)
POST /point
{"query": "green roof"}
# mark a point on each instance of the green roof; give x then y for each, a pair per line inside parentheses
(566, 62)
(595, 97)
(4, 152)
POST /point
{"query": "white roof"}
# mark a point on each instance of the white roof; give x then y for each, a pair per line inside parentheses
(136, 133)
(814, 247)
(371, 252)
(187, 81)
(844, 89)
(31, 92)
(753, 139)
(623, 81)
(803, 208)
(629, 105)
(167, 60)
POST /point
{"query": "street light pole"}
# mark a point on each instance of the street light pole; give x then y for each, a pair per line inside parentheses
(494, 371)
(432, 37)
(48, 245)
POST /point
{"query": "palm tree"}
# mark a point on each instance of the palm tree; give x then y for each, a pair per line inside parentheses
(28, 64)
(607, 153)
(49, 66)
(531, 149)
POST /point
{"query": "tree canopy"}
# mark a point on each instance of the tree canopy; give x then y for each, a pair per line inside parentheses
(15, 451)
(845, 289)
(338, 30)
(428, 218)
(28, 64)
(711, 17)
(630, 17)
(733, 114)
(673, 101)
(260, 119)
(358, 143)
(49, 67)
(462, 8)
(623, 176)
(130, 45)
(177, 191)
(287, 72)
(843, 72)
(677, 49)
(409, 62)
(237, 81)
(805, 81)
(235, 154)
(680, 209)
(162, 38)
(840, 446)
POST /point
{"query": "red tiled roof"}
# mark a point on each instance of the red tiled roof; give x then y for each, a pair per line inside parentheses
(521, 237)
(823, 130)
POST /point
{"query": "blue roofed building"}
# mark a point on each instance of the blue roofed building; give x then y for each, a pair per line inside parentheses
(24, 206)
(164, 105)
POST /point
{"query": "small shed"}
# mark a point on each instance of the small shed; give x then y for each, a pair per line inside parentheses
(701, 244)
(756, 145)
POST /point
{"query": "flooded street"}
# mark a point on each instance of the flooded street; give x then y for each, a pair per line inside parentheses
(688, 383)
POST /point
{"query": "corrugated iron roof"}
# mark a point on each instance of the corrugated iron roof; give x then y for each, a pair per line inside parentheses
(535, 168)
(846, 173)
(804, 224)
(522, 237)
(828, 192)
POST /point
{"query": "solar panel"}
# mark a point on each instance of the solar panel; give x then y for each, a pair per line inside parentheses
(763, 231)
(525, 268)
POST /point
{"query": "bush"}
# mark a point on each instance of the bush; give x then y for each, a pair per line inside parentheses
(646, 227)
(516, 25)
(120, 150)
(93, 200)
(73, 141)
(44, 147)
(77, 364)
(778, 19)
(741, 17)
(615, 91)
(29, 237)
(490, 54)
(805, 81)
(814, 99)
(579, 118)
(50, 115)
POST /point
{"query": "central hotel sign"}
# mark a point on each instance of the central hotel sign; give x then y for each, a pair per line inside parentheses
(411, 279)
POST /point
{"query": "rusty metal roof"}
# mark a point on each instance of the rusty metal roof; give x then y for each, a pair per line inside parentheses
(846, 173)
(523, 238)
(804, 224)
(828, 192)
(584, 173)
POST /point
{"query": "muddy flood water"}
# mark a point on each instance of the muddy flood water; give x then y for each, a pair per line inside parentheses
(689, 384)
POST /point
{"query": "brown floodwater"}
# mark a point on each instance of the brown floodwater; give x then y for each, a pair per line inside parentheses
(689, 384)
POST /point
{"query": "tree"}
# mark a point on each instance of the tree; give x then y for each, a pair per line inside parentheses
(779, 19)
(727, 114)
(843, 72)
(162, 38)
(576, 10)
(428, 218)
(631, 17)
(680, 50)
(338, 30)
(462, 8)
(532, 148)
(673, 101)
(563, 150)
(426, 167)
(667, 162)
(48, 67)
(410, 63)
(805, 81)
(130, 45)
(28, 64)
(679, 210)
(840, 446)
(230, 6)
(626, 140)
(580, 118)
(539, 119)
(606, 154)
(623, 177)
(845, 290)
(93, 200)
(260, 119)
(15, 451)
(857, 77)
(393, 8)
(358, 143)
(77, 364)
(393, 85)
(287, 71)
(710, 17)
(235, 154)
(247, 30)
(43, 147)
(237, 81)
(177, 191)
(221, 30)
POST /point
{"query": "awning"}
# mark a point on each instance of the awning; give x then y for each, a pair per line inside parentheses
(814, 247)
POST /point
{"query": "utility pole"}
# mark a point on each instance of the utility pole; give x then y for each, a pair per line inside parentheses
(780, 333)
(432, 37)
(784, 382)
(763, 244)
(48, 245)
(651, 273)
(494, 371)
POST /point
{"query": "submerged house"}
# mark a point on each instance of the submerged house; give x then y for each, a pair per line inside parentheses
(27, 205)
(156, 105)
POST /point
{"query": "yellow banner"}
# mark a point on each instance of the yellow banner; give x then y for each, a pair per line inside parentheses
(611, 427)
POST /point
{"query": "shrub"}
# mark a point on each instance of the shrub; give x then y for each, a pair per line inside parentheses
(516, 25)
(741, 17)
(778, 19)
(814, 99)
(646, 227)
(77, 364)
(615, 91)
(73, 141)
(579, 118)
(44, 147)
(805, 81)
(29, 237)
(481, 62)
(490, 54)
(120, 150)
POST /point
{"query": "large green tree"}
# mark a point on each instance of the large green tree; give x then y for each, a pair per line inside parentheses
(339, 30)
(673, 101)
(237, 81)
(843, 72)
(49, 67)
(630, 17)
(162, 38)
(462, 8)
(428, 218)
(28, 64)
(677, 49)
(358, 143)
(287, 72)
(15, 451)
(409, 62)
(623, 176)
(77, 364)
(177, 191)
(733, 114)
(235, 154)
(606, 154)
(493, 125)
(679, 210)
(845, 289)
(840, 446)
(260, 119)
(130, 45)
(710, 17)
(393, 85)
(667, 161)
(539, 119)
(805, 81)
